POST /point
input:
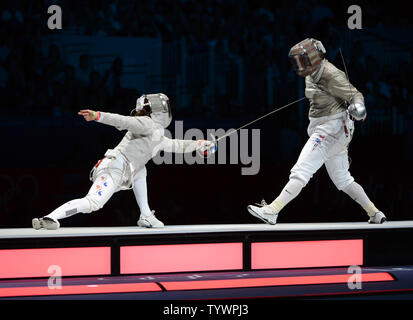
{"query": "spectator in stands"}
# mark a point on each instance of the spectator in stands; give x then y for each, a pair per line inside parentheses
(55, 62)
(4, 75)
(112, 81)
(96, 92)
(70, 90)
(84, 70)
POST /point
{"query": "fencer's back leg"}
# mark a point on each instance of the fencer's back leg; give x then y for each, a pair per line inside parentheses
(100, 192)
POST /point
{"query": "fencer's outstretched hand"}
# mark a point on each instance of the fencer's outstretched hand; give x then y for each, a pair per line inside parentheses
(205, 147)
(89, 115)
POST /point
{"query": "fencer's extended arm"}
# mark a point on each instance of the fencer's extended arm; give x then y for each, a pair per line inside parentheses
(204, 147)
(178, 146)
(137, 125)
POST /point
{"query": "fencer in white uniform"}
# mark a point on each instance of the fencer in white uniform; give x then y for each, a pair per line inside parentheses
(330, 130)
(123, 167)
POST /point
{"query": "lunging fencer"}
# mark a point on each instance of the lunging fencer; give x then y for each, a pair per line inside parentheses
(330, 131)
(123, 167)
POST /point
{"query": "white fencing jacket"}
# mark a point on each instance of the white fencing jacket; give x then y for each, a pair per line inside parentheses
(144, 138)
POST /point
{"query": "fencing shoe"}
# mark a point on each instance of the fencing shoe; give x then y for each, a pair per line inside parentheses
(150, 221)
(378, 217)
(264, 212)
(45, 223)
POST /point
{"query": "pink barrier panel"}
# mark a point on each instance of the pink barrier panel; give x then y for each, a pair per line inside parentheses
(272, 281)
(79, 289)
(25, 263)
(180, 257)
(306, 254)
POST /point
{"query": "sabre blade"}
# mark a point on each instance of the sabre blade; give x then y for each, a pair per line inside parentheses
(262, 117)
(345, 70)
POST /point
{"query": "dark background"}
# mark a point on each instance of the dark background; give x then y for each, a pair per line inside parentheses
(223, 64)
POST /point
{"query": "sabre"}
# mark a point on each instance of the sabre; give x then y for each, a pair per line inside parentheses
(345, 70)
(262, 117)
(351, 92)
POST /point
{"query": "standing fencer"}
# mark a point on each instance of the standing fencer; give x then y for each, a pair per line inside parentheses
(330, 130)
(124, 167)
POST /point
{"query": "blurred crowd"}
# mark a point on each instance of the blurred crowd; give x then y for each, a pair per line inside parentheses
(34, 78)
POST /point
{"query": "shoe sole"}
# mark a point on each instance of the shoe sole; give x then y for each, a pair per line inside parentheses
(50, 224)
(52, 228)
(144, 224)
(252, 212)
(36, 224)
(381, 221)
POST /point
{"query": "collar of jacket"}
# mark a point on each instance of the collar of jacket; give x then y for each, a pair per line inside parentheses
(316, 75)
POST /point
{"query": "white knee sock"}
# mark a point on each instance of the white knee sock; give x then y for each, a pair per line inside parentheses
(70, 208)
(290, 191)
(357, 193)
(141, 195)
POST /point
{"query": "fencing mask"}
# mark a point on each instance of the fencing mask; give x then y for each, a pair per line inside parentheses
(157, 106)
(306, 56)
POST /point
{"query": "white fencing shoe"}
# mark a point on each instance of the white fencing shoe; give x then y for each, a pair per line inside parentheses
(45, 223)
(379, 217)
(264, 212)
(150, 221)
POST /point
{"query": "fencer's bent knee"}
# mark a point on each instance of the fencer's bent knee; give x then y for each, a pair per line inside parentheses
(343, 183)
(341, 179)
(94, 203)
(338, 171)
(301, 174)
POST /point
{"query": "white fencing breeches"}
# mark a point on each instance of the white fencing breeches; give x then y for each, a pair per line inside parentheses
(327, 145)
(108, 180)
(105, 184)
(328, 142)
